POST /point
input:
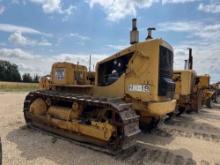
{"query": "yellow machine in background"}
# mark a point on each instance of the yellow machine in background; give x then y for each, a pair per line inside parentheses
(77, 71)
(44, 82)
(105, 107)
(185, 90)
(208, 91)
(216, 87)
(192, 91)
(68, 74)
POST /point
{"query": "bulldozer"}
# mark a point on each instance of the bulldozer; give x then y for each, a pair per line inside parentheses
(105, 109)
(211, 94)
(216, 86)
(192, 90)
(44, 82)
(208, 91)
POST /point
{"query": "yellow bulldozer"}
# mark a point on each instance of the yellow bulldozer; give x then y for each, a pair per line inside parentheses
(106, 108)
(208, 92)
(216, 87)
(192, 90)
(45, 82)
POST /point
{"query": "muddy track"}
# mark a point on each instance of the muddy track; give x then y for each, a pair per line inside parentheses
(194, 126)
(209, 114)
(142, 153)
(169, 132)
(156, 155)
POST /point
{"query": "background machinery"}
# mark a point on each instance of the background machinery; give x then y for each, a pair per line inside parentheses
(187, 93)
(192, 90)
(207, 91)
(216, 88)
(213, 94)
(104, 108)
(45, 82)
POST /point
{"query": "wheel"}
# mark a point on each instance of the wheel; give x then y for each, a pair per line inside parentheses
(209, 103)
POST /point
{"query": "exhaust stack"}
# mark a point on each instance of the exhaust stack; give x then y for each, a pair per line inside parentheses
(149, 35)
(189, 62)
(134, 33)
(186, 65)
(190, 65)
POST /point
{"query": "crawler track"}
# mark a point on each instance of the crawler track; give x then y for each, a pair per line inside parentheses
(198, 135)
(193, 126)
(189, 129)
(148, 154)
(169, 132)
(129, 120)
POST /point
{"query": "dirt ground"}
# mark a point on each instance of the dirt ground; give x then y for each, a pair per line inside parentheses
(190, 139)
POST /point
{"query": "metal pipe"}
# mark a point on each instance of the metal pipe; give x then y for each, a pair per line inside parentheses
(134, 34)
(134, 24)
(149, 33)
(190, 65)
(186, 64)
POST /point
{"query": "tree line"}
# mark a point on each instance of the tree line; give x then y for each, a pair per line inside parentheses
(9, 72)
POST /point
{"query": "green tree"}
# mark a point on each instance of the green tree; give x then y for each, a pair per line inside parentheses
(9, 72)
(26, 77)
(36, 78)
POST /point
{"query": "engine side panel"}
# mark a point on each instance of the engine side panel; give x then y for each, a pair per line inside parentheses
(184, 80)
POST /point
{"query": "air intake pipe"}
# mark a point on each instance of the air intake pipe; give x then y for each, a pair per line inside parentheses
(134, 33)
(189, 62)
(149, 33)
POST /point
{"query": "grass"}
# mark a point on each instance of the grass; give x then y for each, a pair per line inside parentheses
(17, 86)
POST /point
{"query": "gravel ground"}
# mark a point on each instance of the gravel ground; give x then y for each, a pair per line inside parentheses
(189, 139)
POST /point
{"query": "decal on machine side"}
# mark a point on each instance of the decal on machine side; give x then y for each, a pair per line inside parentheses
(139, 88)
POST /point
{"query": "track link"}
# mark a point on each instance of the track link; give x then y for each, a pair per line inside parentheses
(129, 123)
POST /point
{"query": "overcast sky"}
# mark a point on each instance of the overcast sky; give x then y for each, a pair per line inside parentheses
(36, 33)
